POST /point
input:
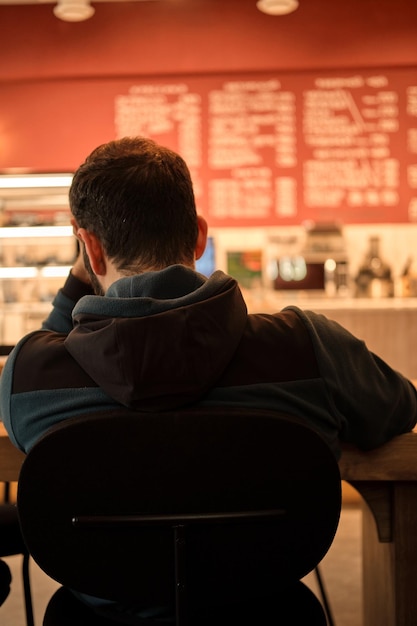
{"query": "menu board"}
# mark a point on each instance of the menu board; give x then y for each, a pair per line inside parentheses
(283, 149)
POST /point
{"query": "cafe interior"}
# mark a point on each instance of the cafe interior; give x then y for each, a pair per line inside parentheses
(298, 120)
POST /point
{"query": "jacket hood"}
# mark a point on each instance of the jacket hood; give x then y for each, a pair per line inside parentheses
(159, 340)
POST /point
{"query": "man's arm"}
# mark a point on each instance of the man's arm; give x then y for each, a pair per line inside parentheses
(76, 286)
(372, 401)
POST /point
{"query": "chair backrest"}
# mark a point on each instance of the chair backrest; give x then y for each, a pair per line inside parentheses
(87, 485)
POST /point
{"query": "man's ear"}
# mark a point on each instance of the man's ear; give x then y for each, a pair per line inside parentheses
(202, 237)
(94, 251)
(75, 227)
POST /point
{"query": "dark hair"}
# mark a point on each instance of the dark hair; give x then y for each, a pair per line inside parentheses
(137, 198)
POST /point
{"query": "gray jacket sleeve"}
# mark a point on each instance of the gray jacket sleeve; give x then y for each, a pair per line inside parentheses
(372, 401)
(60, 317)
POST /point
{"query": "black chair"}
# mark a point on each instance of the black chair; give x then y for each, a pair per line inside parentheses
(11, 543)
(214, 513)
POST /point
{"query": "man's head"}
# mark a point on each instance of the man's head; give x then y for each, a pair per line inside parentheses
(136, 199)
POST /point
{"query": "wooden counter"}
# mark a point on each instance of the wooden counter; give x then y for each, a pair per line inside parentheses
(386, 478)
(11, 458)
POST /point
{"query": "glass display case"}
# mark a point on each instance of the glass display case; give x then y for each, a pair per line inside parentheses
(34, 263)
(37, 249)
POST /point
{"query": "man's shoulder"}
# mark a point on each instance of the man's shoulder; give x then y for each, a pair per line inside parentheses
(290, 316)
(41, 361)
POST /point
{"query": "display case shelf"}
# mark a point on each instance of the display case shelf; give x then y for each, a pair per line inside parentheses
(34, 263)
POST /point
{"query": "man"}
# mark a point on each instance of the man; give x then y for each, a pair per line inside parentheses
(164, 336)
(158, 336)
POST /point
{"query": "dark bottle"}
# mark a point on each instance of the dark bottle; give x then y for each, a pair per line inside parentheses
(374, 278)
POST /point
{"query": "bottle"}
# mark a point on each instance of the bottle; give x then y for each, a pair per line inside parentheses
(407, 285)
(374, 278)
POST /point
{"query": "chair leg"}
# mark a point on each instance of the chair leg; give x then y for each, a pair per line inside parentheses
(26, 589)
(323, 593)
(181, 613)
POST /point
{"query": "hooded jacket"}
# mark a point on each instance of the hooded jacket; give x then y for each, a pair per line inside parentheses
(162, 340)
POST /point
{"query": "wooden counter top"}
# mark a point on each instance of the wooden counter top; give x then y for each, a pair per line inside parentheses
(11, 458)
(268, 300)
(395, 460)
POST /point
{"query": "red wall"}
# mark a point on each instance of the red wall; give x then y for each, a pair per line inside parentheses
(176, 36)
(51, 115)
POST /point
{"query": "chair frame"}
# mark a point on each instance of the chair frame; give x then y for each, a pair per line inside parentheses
(179, 525)
(215, 441)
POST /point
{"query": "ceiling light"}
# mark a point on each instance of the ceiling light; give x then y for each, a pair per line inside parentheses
(73, 10)
(277, 7)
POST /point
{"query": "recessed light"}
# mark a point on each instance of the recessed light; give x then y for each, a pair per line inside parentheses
(73, 10)
(277, 7)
